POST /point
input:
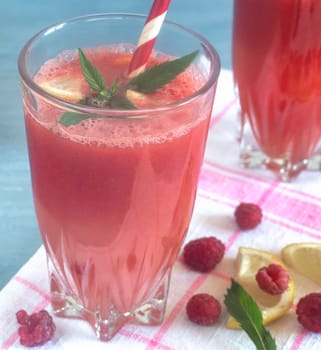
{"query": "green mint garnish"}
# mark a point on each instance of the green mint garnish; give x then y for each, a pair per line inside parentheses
(244, 309)
(71, 118)
(161, 74)
(121, 102)
(92, 75)
(114, 97)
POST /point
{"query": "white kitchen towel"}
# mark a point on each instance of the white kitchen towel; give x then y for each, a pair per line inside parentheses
(292, 213)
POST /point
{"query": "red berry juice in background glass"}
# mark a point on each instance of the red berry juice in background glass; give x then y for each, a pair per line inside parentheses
(277, 73)
(114, 196)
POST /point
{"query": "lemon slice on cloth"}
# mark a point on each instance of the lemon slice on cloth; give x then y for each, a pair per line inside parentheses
(65, 87)
(305, 258)
(249, 261)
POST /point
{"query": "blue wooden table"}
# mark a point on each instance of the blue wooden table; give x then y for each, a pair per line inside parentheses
(19, 20)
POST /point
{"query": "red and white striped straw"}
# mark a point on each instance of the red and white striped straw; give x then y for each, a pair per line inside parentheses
(148, 37)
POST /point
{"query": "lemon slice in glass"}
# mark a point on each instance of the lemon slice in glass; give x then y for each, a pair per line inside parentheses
(141, 100)
(137, 98)
(67, 88)
(305, 258)
(249, 261)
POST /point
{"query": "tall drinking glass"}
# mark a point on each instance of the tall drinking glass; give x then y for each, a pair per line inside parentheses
(277, 65)
(113, 193)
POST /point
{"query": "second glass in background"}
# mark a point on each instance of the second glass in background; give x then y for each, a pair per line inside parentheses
(277, 74)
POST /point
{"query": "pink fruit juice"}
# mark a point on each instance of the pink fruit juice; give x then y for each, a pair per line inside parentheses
(114, 196)
(277, 65)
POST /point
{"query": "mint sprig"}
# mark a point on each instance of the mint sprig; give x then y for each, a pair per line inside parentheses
(244, 309)
(92, 75)
(161, 74)
(71, 118)
(114, 97)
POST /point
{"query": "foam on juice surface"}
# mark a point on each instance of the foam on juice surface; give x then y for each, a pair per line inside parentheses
(113, 62)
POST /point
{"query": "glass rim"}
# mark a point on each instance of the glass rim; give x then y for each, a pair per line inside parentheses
(28, 81)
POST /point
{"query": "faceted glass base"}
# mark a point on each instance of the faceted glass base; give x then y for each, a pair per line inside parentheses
(253, 157)
(149, 312)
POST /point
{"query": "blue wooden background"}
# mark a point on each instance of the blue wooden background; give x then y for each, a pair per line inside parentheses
(19, 20)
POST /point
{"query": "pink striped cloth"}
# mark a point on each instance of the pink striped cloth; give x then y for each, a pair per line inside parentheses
(292, 213)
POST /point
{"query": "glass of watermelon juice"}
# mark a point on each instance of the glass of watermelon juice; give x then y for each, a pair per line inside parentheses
(277, 64)
(113, 193)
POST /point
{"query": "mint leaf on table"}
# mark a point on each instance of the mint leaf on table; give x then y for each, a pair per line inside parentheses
(161, 74)
(244, 309)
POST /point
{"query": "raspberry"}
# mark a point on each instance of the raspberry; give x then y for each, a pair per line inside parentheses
(273, 279)
(203, 309)
(22, 317)
(35, 329)
(248, 215)
(203, 254)
(308, 312)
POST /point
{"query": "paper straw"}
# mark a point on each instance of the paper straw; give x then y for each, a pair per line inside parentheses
(148, 37)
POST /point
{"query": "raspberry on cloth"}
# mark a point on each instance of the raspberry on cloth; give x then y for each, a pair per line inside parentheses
(203, 309)
(273, 279)
(203, 254)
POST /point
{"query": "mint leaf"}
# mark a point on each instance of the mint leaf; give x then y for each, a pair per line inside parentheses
(92, 75)
(161, 74)
(71, 118)
(114, 86)
(121, 102)
(244, 309)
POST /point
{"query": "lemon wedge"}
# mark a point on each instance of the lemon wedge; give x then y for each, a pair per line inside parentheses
(141, 100)
(305, 258)
(64, 87)
(249, 261)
